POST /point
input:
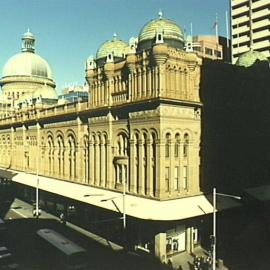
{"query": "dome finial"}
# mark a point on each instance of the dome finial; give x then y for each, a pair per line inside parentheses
(114, 36)
(160, 14)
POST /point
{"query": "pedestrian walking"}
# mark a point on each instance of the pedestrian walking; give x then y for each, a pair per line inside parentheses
(62, 218)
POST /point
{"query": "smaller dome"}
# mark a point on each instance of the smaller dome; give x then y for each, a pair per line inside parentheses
(115, 46)
(172, 33)
(250, 58)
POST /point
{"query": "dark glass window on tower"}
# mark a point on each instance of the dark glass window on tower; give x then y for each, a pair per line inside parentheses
(208, 51)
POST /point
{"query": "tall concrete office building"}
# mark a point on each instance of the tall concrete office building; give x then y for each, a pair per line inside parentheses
(250, 20)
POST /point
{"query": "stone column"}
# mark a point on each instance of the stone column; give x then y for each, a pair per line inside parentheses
(97, 165)
(160, 168)
(171, 181)
(160, 247)
(140, 164)
(162, 80)
(38, 152)
(91, 161)
(149, 177)
(24, 147)
(149, 82)
(136, 93)
(79, 154)
(157, 85)
(144, 85)
(103, 164)
(13, 148)
(189, 240)
(139, 85)
(182, 84)
(109, 165)
(132, 169)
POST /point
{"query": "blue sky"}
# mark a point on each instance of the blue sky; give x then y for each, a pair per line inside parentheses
(68, 31)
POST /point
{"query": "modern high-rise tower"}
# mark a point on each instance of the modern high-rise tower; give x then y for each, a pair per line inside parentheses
(250, 20)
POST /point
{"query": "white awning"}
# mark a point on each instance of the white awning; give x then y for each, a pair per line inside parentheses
(143, 208)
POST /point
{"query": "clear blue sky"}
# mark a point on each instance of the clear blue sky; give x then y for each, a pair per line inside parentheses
(68, 31)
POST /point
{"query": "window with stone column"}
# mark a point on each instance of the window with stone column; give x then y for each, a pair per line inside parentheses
(50, 154)
(72, 156)
(121, 160)
(60, 155)
(186, 145)
(177, 145)
(167, 145)
(153, 162)
(137, 167)
(86, 158)
(144, 162)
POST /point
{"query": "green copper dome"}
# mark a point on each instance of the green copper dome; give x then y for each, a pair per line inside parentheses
(250, 58)
(172, 33)
(115, 46)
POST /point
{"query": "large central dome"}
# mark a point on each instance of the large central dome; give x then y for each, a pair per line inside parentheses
(26, 73)
(27, 64)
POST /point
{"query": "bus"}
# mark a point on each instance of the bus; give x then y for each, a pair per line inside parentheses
(59, 252)
(3, 232)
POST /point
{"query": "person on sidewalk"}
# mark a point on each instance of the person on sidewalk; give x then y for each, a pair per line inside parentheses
(62, 218)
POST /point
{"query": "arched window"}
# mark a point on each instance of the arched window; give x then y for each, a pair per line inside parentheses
(50, 154)
(61, 159)
(167, 145)
(86, 158)
(186, 144)
(145, 162)
(72, 156)
(153, 157)
(137, 165)
(177, 145)
(121, 171)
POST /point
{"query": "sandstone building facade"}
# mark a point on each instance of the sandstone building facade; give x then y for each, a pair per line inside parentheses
(138, 135)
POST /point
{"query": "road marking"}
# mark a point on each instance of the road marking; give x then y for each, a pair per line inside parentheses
(17, 212)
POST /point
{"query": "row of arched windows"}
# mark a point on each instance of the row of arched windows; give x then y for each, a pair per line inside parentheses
(61, 157)
(177, 142)
(131, 158)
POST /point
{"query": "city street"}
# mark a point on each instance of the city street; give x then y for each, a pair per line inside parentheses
(21, 240)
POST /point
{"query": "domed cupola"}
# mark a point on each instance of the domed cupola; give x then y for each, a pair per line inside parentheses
(161, 30)
(250, 58)
(26, 71)
(27, 63)
(111, 51)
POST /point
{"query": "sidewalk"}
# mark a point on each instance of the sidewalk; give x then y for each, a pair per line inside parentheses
(26, 210)
(185, 259)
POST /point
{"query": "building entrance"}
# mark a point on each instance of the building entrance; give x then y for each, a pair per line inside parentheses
(176, 240)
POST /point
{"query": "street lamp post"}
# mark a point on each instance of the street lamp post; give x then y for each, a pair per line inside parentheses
(124, 204)
(215, 221)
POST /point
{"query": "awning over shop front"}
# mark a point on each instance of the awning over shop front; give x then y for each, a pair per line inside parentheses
(143, 208)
